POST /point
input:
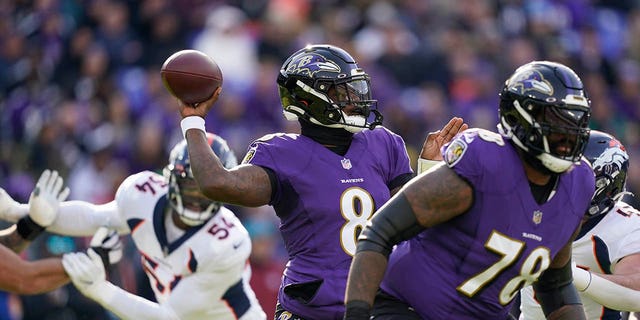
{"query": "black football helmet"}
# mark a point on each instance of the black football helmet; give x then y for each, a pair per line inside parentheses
(545, 111)
(610, 163)
(184, 194)
(317, 82)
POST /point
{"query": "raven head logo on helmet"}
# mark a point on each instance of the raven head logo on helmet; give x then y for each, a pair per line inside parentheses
(323, 85)
(545, 111)
(184, 195)
(610, 163)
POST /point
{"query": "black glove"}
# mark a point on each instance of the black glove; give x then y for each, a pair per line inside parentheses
(107, 244)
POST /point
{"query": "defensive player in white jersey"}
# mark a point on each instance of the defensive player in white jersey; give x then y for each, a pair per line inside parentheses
(607, 250)
(194, 251)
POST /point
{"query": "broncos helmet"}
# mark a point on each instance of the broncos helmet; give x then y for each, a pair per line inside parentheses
(543, 105)
(610, 163)
(185, 197)
(317, 82)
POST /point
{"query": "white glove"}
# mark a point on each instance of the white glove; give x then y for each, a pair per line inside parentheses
(7, 206)
(46, 197)
(86, 272)
(106, 242)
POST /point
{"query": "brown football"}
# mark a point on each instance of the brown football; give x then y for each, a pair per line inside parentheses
(191, 76)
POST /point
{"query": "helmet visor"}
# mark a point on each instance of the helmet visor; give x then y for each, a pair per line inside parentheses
(355, 93)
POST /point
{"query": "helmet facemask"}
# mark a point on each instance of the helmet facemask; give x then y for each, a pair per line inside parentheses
(323, 85)
(185, 197)
(544, 116)
(610, 163)
(189, 203)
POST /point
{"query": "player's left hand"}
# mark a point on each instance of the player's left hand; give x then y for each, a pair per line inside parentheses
(201, 109)
(435, 140)
(106, 243)
(46, 197)
(86, 271)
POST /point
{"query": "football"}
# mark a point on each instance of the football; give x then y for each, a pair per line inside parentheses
(191, 76)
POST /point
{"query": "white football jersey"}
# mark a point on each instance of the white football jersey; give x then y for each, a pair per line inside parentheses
(616, 236)
(203, 274)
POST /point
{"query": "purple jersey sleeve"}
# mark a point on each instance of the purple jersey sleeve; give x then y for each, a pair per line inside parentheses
(474, 154)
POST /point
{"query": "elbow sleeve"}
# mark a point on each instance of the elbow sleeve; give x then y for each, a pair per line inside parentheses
(394, 222)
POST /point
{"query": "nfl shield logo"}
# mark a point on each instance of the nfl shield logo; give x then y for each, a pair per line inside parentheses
(346, 163)
(537, 217)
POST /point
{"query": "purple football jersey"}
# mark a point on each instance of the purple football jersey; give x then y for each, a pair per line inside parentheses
(472, 266)
(323, 201)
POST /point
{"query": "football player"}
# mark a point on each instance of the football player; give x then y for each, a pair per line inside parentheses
(193, 250)
(500, 214)
(324, 183)
(606, 273)
(34, 277)
(30, 277)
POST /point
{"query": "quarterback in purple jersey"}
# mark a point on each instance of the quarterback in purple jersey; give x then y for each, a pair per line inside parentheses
(499, 215)
(324, 183)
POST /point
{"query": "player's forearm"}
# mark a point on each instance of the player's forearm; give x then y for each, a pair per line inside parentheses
(48, 274)
(631, 281)
(128, 306)
(365, 275)
(606, 292)
(11, 239)
(80, 218)
(27, 278)
(246, 185)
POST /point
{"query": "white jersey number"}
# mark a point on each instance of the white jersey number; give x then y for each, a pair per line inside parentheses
(356, 206)
(510, 250)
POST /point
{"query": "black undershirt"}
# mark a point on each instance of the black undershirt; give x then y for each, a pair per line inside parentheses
(541, 193)
(337, 140)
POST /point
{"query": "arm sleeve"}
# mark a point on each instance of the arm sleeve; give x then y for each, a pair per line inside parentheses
(128, 306)
(80, 218)
(14, 213)
(605, 292)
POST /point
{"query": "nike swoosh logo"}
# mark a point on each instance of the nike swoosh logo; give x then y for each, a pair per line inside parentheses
(237, 245)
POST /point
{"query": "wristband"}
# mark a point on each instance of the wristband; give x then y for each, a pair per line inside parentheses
(192, 122)
(29, 229)
(425, 164)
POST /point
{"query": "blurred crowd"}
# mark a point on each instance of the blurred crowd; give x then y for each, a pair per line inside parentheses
(80, 90)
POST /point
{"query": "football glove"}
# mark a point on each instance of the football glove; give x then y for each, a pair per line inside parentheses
(86, 271)
(46, 197)
(106, 243)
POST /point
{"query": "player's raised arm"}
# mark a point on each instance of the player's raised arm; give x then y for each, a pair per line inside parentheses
(246, 185)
